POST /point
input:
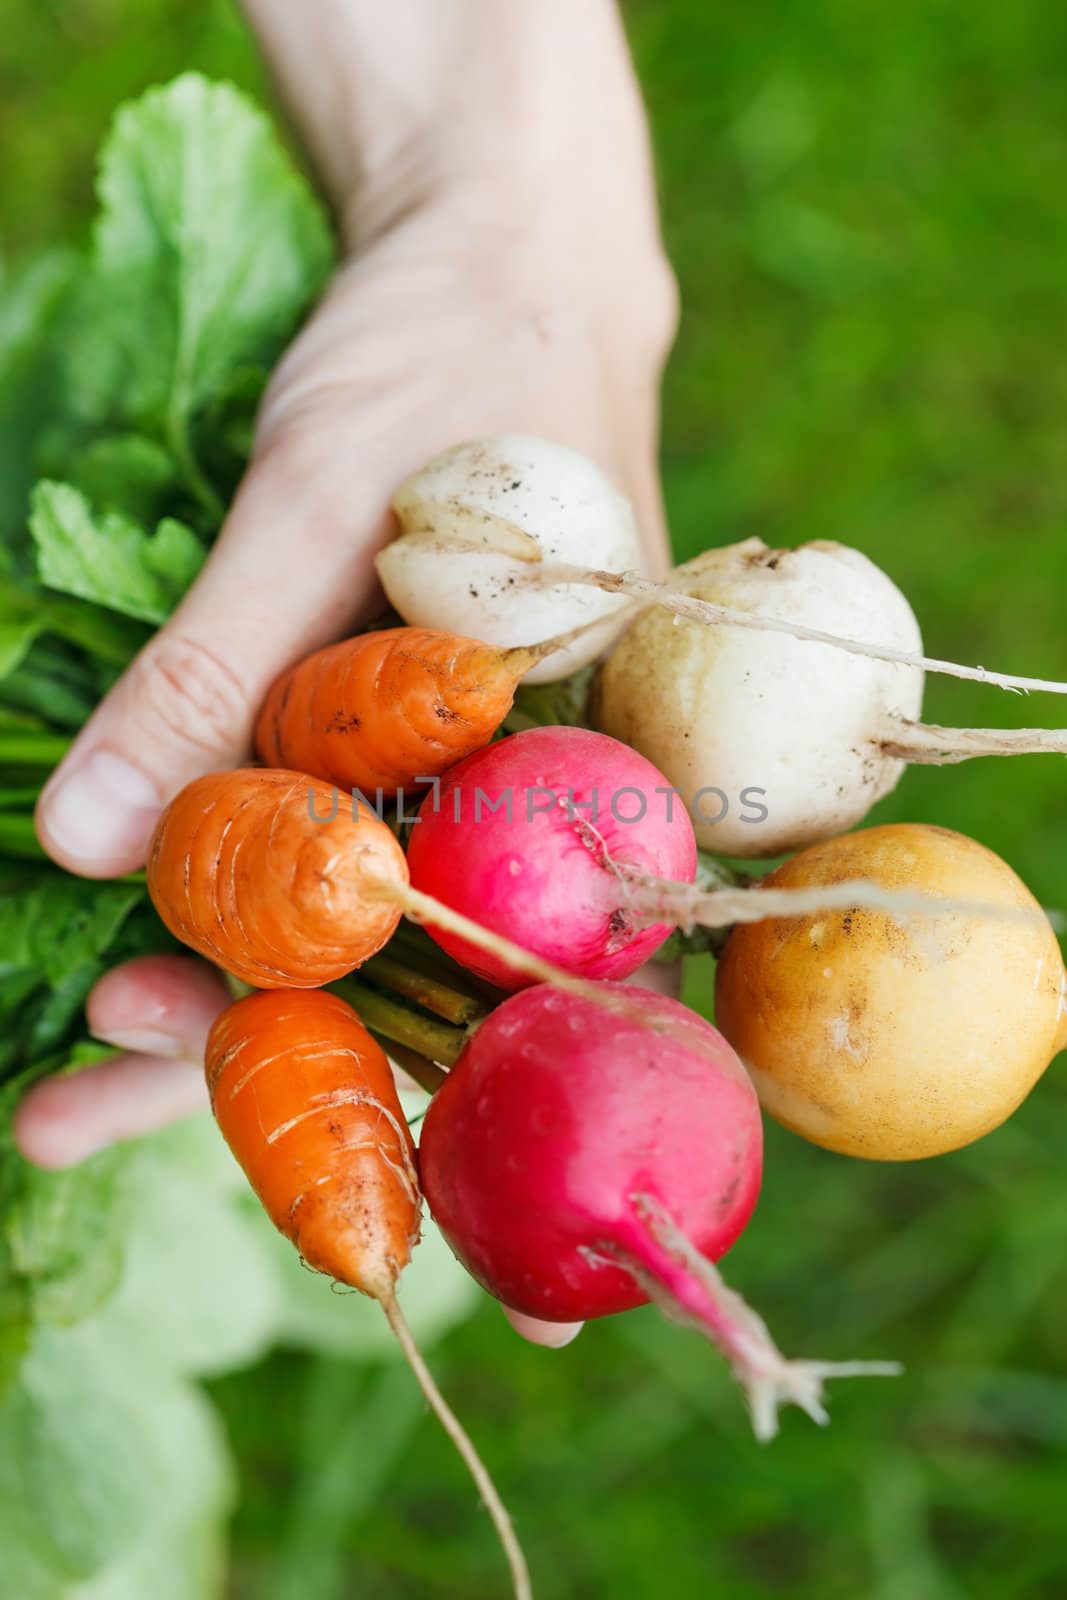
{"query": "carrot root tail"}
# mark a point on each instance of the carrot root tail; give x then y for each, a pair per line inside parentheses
(498, 1512)
(424, 908)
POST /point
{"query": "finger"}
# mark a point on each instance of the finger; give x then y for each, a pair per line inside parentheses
(665, 977)
(290, 570)
(63, 1120)
(552, 1335)
(158, 1011)
(158, 1005)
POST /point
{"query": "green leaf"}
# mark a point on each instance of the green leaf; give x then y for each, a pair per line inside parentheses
(50, 683)
(58, 923)
(20, 998)
(101, 632)
(30, 388)
(550, 704)
(124, 473)
(106, 1457)
(20, 623)
(186, 1561)
(16, 1322)
(65, 1235)
(196, 1225)
(208, 248)
(110, 559)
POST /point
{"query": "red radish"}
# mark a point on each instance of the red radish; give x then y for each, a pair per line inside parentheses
(535, 837)
(582, 1160)
(595, 1094)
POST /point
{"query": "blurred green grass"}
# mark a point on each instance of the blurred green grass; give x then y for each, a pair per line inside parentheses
(866, 210)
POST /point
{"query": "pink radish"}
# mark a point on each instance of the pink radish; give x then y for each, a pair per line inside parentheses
(582, 1160)
(530, 836)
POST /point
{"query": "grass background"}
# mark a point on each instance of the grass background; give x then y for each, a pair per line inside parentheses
(867, 212)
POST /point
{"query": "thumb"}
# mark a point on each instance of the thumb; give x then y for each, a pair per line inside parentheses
(291, 568)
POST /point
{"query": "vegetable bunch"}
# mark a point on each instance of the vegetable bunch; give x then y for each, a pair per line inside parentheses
(589, 1146)
(892, 993)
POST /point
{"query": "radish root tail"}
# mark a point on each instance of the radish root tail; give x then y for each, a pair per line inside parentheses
(498, 1512)
(689, 906)
(545, 574)
(767, 1377)
(651, 900)
(926, 743)
(709, 613)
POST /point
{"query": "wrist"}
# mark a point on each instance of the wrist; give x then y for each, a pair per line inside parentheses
(490, 106)
(532, 146)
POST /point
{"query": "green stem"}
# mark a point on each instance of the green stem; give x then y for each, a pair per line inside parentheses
(436, 1041)
(185, 456)
(113, 637)
(427, 1074)
(20, 799)
(413, 946)
(421, 990)
(18, 749)
(17, 837)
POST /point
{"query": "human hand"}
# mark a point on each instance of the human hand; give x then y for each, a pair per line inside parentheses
(489, 291)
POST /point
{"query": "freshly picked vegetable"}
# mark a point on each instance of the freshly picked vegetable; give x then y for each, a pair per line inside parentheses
(781, 735)
(394, 709)
(306, 1101)
(475, 520)
(262, 873)
(892, 1038)
(539, 836)
(581, 1162)
(774, 738)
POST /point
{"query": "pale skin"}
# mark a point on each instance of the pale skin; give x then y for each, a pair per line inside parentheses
(489, 170)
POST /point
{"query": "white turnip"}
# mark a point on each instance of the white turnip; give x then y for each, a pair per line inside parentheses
(476, 519)
(777, 740)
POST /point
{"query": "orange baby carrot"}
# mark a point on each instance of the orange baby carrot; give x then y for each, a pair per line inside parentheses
(242, 870)
(265, 874)
(385, 709)
(305, 1099)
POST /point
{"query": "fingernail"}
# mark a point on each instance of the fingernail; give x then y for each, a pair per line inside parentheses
(143, 1041)
(104, 807)
(557, 1338)
(552, 1335)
